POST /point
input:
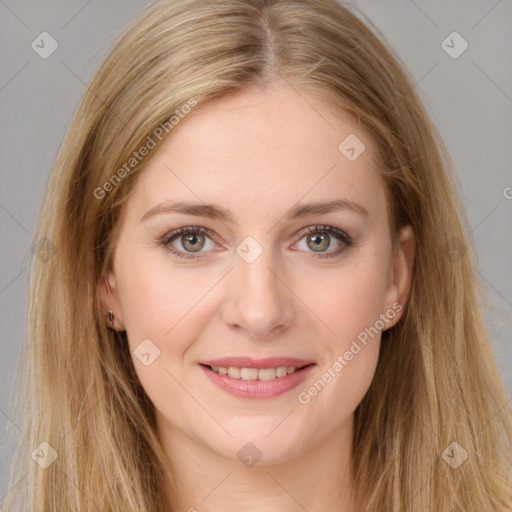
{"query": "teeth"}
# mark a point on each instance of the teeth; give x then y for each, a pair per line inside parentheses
(254, 373)
(267, 374)
(249, 373)
(282, 371)
(233, 372)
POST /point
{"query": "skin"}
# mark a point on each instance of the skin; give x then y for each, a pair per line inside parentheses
(258, 153)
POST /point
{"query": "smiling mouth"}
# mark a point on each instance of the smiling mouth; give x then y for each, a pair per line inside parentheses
(241, 373)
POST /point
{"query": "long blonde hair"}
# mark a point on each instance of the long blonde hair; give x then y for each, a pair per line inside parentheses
(436, 381)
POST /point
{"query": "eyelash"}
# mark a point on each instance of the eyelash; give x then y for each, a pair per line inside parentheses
(319, 228)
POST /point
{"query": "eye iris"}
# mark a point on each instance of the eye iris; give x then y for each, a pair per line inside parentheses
(321, 242)
(193, 239)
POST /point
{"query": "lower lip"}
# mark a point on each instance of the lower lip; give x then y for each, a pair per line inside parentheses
(258, 388)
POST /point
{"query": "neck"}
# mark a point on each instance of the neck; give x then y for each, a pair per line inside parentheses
(316, 480)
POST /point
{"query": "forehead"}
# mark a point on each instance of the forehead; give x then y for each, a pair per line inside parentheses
(261, 151)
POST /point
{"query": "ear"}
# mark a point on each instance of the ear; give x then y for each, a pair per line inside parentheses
(109, 298)
(401, 276)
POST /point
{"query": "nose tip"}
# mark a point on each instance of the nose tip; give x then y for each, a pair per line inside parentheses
(258, 300)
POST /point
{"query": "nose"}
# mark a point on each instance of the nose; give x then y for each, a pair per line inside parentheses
(258, 299)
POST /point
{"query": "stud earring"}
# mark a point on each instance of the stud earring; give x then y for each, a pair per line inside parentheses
(111, 317)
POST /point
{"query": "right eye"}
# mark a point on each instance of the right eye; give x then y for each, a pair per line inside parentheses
(191, 238)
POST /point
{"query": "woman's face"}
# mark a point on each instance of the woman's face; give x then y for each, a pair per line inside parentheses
(248, 280)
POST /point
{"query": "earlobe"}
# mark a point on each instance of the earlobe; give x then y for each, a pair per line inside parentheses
(403, 265)
(110, 303)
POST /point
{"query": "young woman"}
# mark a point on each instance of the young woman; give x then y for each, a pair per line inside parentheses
(259, 289)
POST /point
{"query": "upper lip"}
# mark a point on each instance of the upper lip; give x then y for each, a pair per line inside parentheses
(250, 362)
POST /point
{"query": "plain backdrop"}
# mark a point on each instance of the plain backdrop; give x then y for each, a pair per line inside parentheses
(468, 94)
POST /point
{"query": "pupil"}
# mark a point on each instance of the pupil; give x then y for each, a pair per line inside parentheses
(319, 242)
(193, 242)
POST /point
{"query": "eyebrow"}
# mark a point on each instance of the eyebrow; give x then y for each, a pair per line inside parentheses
(217, 212)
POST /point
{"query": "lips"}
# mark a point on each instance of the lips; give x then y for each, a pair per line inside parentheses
(250, 362)
(238, 378)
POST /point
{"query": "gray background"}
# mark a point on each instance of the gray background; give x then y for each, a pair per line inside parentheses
(469, 99)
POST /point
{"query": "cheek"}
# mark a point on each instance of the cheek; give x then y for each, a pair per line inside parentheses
(330, 399)
(349, 302)
(346, 300)
(164, 314)
(350, 312)
(349, 307)
(158, 303)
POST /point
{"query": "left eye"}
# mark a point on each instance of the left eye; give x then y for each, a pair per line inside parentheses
(319, 238)
(318, 242)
